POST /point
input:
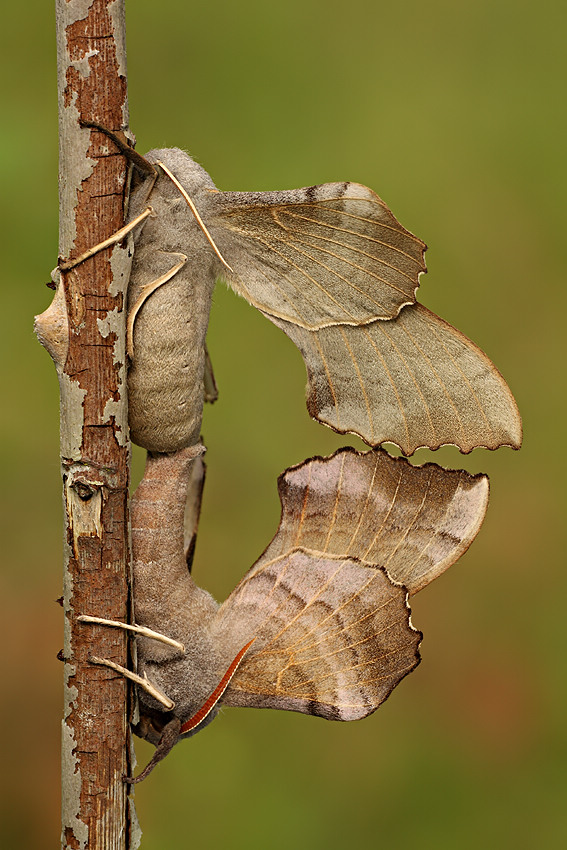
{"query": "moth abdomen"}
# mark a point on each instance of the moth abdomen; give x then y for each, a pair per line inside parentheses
(165, 381)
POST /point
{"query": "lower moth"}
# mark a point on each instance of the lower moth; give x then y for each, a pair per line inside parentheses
(321, 623)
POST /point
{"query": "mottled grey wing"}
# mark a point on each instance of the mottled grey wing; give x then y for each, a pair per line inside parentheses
(413, 381)
(413, 521)
(325, 255)
(333, 638)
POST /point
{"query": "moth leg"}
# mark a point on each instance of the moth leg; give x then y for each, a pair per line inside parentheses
(66, 265)
(140, 630)
(211, 389)
(143, 165)
(193, 509)
(141, 681)
(145, 293)
(169, 737)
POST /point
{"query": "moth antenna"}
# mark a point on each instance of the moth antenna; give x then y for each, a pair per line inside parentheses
(210, 703)
(211, 389)
(145, 293)
(167, 703)
(142, 164)
(198, 218)
(140, 630)
(66, 265)
(169, 738)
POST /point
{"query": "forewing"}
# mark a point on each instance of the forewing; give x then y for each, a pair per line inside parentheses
(325, 255)
(414, 381)
(413, 521)
(332, 637)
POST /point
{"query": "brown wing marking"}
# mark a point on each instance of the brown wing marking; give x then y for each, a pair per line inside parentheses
(333, 638)
(382, 511)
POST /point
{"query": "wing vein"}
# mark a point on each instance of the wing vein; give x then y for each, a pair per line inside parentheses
(361, 382)
(354, 251)
(414, 381)
(444, 388)
(303, 507)
(367, 500)
(387, 516)
(370, 221)
(410, 525)
(307, 605)
(337, 497)
(320, 623)
(329, 379)
(464, 376)
(432, 534)
(390, 378)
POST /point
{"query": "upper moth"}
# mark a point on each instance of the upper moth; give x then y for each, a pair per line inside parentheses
(334, 269)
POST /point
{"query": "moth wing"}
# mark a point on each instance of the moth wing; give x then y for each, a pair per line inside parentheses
(381, 510)
(332, 637)
(414, 381)
(324, 255)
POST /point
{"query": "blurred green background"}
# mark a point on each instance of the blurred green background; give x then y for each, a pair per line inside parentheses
(454, 113)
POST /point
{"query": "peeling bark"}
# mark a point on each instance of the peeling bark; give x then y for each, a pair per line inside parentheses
(84, 332)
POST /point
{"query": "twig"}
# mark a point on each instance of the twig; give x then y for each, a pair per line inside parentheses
(84, 331)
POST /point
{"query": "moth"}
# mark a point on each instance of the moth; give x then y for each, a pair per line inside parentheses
(321, 623)
(333, 268)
